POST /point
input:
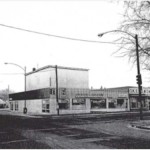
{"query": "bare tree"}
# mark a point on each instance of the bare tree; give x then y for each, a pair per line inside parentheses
(136, 21)
(4, 94)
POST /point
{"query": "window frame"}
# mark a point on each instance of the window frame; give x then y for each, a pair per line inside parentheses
(11, 106)
(44, 106)
(16, 106)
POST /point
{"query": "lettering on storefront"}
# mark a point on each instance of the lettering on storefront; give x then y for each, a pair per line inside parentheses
(123, 95)
(135, 91)
(88, 96)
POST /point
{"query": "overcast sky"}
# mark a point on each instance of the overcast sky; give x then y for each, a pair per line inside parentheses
(75, 19)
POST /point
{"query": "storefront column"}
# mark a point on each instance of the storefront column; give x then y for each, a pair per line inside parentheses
(107, 102)
(70, 103)
(53, 106)
(88, 105)
(128, 104)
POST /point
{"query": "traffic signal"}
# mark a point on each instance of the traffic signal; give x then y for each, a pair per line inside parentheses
(138, 79)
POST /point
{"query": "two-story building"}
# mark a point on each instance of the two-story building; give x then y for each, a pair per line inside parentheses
(52, 90)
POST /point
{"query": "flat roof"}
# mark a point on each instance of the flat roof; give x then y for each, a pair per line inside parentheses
(114, 88)
(59, 67)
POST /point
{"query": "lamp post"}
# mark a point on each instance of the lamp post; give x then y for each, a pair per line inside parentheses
(139, 78)
(24, 69)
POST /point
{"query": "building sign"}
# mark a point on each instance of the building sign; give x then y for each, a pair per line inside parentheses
(145, 91)
(102, 95)
(90, 95)
(122, 95)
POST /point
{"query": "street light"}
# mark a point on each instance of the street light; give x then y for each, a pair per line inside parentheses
(24, 69)
(139, 77)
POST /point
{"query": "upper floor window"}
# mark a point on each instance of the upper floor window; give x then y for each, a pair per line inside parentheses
(52, 91)
(63, 91)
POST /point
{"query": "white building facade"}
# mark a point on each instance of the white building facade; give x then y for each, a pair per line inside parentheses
(40, 96)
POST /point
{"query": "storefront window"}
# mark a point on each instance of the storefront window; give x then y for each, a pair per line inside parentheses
(144, 103)
(16, 105)
(133, 105)
(64, 104)
(120, 102)
(111, 105)
(45, 106)
(133, 102)
(98, 103)
(78, 103)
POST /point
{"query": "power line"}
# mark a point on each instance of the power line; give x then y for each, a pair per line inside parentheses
(56, 36)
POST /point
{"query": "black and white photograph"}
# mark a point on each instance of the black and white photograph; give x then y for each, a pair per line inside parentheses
(74, 74)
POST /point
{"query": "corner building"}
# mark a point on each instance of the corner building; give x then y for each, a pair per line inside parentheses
(40, 95)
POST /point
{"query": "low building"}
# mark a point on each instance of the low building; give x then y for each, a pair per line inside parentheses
(135, 101)
(114, 99)
(72, 94)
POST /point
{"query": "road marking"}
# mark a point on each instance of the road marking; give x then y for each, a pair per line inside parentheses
(14, 141)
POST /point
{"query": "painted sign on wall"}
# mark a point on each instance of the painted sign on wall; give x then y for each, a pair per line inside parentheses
(145, 91)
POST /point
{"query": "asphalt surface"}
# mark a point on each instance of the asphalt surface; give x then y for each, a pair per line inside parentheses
(72, 132)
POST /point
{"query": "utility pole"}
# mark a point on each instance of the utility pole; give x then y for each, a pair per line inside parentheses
(139, 78)
(57, 90)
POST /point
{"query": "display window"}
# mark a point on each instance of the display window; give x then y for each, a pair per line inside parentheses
(112, 103)
(120, 102)
(79, 103)
(133, 105)
(98, 103)
(64, 104)
(46, 106)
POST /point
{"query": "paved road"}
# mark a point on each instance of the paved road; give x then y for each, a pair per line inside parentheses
(71, 132)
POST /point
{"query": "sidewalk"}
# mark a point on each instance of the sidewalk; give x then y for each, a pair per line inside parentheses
(89, 115)
(141, 124)
(13, 113)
